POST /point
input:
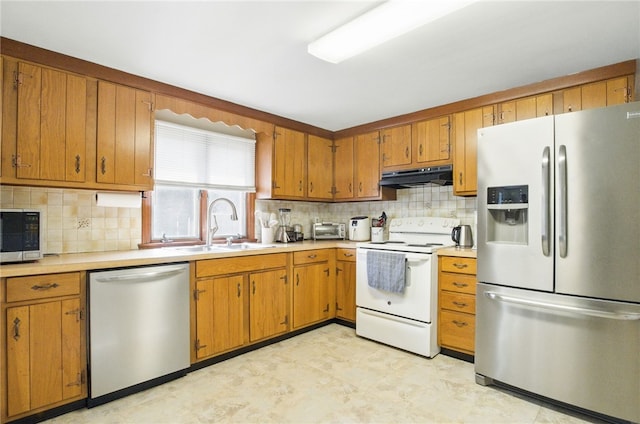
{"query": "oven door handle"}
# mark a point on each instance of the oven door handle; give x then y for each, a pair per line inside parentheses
(410, 264)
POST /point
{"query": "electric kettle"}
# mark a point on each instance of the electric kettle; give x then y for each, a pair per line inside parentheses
(461, 235)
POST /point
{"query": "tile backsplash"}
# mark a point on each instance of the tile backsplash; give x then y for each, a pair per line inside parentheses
(427, 200)
(73, 223)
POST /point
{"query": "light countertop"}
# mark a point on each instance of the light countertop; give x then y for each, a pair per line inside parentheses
(117, 259)
(458, 251)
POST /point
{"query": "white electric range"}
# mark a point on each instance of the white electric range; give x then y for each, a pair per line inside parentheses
(405, 318)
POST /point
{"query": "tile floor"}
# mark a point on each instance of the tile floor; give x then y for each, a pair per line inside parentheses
(328, 375)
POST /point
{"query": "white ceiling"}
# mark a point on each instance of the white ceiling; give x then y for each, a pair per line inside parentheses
(255, 53)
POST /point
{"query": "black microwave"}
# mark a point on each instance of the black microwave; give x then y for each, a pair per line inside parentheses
(20, 235)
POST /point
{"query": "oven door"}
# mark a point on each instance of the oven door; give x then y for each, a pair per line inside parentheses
(417, 302)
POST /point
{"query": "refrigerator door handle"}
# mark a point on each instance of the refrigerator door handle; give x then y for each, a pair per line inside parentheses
(562, 192)
(546, 204)
(622, 316)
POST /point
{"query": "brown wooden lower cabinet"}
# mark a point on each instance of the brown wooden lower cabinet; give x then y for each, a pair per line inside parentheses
(346, 284)
(44, 343)
(237, 301)
(457, 303)
(313, 286)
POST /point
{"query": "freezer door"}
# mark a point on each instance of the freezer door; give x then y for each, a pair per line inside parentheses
(578, 351)
(515, 245)
(597, 203)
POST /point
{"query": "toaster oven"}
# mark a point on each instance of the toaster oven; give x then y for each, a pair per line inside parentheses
(328, 231)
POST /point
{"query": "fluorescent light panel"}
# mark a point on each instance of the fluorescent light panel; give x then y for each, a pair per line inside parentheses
(389, 20)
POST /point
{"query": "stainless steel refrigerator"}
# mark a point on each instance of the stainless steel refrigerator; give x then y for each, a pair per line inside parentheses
(558, 298)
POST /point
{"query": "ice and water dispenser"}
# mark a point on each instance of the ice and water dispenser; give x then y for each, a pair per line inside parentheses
(507, 220)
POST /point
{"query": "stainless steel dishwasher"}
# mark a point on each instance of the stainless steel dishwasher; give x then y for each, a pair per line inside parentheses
(138, 329)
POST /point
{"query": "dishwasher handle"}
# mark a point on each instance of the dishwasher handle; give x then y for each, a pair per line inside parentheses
(141, 276)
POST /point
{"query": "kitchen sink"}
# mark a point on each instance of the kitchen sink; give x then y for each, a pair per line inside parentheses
(196, 249)
(244, 246)
(219, 247)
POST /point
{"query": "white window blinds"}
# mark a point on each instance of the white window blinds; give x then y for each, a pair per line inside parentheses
(191, 156)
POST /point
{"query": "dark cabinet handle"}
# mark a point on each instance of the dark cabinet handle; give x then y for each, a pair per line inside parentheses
(103, 165)
(77, 164)
(44, 286)
(16, 329)
(459, 285)
(460, 323)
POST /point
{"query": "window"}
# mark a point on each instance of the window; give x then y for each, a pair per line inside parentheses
(193, 168)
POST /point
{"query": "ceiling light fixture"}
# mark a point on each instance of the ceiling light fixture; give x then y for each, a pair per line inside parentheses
(389, 20)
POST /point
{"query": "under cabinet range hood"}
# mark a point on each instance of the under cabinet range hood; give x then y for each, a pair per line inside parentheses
(438, 175)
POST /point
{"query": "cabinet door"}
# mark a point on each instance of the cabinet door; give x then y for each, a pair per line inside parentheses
(594, 95)
(572, 99)
(219, 315)
(73, 378)
(506, 112)
(51, 125)
(346, 290)
(344, 172)
(290, 155)
(465, 175)
(18, 360)
(44, 364)
(618, 91)
(320, 168)
(268, 312)
(396, 147)
(124, 152)
(367, 165)
(544, 105)
(305, 296)
(431, 141)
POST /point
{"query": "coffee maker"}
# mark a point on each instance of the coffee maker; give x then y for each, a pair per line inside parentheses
(285, 232)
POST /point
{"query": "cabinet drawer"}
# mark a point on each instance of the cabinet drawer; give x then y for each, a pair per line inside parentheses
(346, 254)
(458, 302)
(458, 282)
(459, 265)
(42, 286)
(457, 330)
(311, 256)
(224, 266)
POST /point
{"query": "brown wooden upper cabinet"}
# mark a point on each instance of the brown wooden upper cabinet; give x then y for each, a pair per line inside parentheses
(344, 169)
(598, 94)
(431, 141)
(289, 163)
(319, 168)
(465, 170)
(367, 165)
(525, 108)
(51, 118)
(124, 144)
(396, 147)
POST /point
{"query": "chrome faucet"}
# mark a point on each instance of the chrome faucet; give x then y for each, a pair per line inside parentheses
(211, 229)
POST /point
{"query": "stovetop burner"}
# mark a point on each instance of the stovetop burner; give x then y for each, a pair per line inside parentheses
(419, 235)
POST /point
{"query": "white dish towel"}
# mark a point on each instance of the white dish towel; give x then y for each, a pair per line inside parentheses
(385, 270)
